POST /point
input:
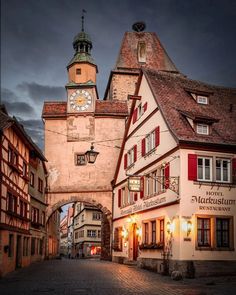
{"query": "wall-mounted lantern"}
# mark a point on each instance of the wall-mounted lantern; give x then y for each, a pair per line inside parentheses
(91, 155)
(170, 226)
(187, 226)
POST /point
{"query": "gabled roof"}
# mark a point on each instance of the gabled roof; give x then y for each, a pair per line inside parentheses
(175, 103)
(156, 56)
(6, 121)
(113, 108)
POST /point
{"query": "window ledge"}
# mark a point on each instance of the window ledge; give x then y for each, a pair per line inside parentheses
(154, 195)
(152, 151)
(127, 205)
(214, 249)
(214, 183)
(130, 166)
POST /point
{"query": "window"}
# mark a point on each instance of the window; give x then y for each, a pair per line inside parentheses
(11, 203)
(162, 170)
(146, 233)
(130, 198)
(118, 240)
(223, 170)
(204, 168)
(222, 232)
(96, 216)
(80, 159)
(81, 233)
(24, 170)
(203, 232)
(123, 197)
(141, 52)
(154, 182)
(202, 129)
(32, 179)
(40, 185)
(150, 141)
(153, 232)
(10, 155)
(82, 218)
(91, 233)
(162, 236)
(202, 99)
(78, 71)
(140, 110)
(148, 185)
(23, 209)
(11, 246)
(131, 156)
(99, 234)
(34, 215)
(76, 235)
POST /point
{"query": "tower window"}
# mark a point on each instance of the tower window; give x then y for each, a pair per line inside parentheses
(141, 52)
(78, 71)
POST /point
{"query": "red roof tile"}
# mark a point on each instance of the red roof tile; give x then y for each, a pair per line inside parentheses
(54, 109)
(175, 102)
(114, 107)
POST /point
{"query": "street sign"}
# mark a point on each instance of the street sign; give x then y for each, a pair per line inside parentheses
(134, 183)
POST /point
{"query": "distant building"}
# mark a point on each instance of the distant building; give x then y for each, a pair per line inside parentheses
(87, 230)
(63, 237)
(53, 232)
(38, 205)
(15, 237)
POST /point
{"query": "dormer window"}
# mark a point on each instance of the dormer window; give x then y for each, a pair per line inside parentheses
(202, 99)
(78, 71)
(202, 129)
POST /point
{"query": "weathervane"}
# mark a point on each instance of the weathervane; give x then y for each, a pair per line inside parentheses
(83, 12)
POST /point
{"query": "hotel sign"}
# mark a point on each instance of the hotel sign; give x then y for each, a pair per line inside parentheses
(134, 183)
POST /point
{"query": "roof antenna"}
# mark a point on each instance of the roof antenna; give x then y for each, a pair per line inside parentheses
(83, 12)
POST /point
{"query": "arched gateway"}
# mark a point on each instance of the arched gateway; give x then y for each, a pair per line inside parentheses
(106, 221)
(71, 128)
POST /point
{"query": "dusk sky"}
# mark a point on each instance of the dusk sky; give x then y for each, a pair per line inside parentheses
(37, 35)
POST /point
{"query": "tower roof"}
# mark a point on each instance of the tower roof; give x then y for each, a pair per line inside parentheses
(155, 56)
(82, 45)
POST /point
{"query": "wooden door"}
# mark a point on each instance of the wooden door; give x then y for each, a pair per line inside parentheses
(135, 242)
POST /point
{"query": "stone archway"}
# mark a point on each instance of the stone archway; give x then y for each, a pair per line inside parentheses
(106, 223)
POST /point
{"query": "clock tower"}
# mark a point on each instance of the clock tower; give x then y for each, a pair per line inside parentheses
(82, 70)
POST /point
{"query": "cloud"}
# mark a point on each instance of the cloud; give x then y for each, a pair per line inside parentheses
(8, 95)
(18, 108)
(39, 93)
(35, 130)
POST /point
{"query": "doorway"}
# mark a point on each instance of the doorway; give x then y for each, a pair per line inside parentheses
(135, 242)
(18, 252)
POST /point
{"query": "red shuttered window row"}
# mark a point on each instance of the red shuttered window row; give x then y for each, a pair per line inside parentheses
(151, 141)
(211, 169)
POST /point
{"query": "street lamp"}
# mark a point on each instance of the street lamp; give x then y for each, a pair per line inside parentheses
(91, 155)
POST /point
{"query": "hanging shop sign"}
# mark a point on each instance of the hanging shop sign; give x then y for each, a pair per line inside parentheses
(134, 184)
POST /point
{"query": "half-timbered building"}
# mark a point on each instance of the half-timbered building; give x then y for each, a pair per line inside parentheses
(15, 149)
(174, 187)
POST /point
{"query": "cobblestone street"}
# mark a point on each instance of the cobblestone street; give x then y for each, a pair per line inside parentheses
(95, 277)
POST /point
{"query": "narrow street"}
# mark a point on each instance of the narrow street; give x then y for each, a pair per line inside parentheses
(95, 277)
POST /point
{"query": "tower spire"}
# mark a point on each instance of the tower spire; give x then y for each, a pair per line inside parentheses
(83, 12)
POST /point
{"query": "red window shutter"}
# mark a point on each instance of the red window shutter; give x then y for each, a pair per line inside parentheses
(143, 147)
(142, 188)
(157, 136)
(167, 175)
(135, 115)
(145, 107)
(125, 161)
(119, 198)
(234, 170)
(135, 153)
(192, 167)
(136, 197)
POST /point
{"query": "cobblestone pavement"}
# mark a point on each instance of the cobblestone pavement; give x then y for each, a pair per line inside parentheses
(95, 277)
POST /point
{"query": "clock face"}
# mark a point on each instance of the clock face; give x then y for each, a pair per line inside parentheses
(80, 100)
